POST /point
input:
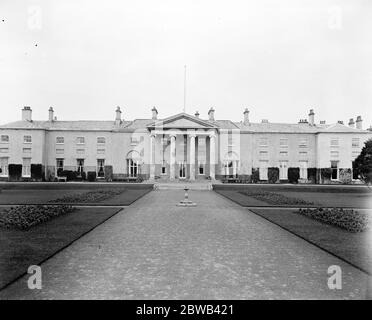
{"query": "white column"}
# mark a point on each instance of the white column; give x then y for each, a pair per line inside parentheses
(192, 157)
(152, 156)
(172, 157)
(234, 168)
(212, 156)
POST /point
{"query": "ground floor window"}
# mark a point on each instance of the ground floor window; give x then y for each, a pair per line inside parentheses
(26, 167)
(231, 168)
(303, 169)
(133, 167)
(101, 168)
(201, 167)
(263, 170)
(3, 167)
(59, 166)
(182, 169)
(163, 167)
(80, 166)
(283, 170)
(334, 168)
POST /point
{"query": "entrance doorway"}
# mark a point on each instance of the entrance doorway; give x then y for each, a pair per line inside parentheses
(182, 170)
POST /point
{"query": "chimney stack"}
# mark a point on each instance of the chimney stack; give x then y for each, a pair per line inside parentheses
(359, 122)
(246, 116)
(118, 116)
(211, 114)
(154, 113)
(51, 114)
(311, 117)
(197, 114)
(351, 123)
(26, 114)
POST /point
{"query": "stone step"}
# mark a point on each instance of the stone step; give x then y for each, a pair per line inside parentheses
(181, 186)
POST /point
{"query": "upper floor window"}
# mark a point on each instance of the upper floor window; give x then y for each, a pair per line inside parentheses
(101, 140)
(263, 142)
(283, 142)
(283, 153)
(303, 143)
(134, 140)
(334, 142)
(60, 140)
(4, 138)
(80, 140)
(355, 143)
(334, 154)
(27, 139)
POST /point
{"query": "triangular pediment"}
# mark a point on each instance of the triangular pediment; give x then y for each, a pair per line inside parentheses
(182, 121)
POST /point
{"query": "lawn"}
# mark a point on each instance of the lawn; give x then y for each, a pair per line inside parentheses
(48, 232)
(297, 195)
(20, 249)
(351, 247)
(72, 193)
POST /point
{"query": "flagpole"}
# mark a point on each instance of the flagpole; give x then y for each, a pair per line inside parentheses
(184, 92)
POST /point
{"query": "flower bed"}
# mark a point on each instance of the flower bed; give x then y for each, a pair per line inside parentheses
(348, 219)
(89, 197)
(275, 198)
(26, 216)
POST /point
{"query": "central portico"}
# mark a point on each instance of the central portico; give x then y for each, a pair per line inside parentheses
(183, 147)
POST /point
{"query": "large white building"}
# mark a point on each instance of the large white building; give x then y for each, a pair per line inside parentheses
(182, 146)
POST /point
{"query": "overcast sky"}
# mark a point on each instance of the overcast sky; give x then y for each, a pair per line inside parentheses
(277, 58)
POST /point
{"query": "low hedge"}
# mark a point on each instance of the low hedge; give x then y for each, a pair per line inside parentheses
(89, 197)
(326, 173)
(255, 175)
(293, 175)
(15, 171)
(26, 216)
(275, 198)
(36, 172)
(311, 174)
(273, 174)
(92, 175)
(347, 219)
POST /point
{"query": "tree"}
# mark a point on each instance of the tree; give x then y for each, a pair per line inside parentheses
(363, 163)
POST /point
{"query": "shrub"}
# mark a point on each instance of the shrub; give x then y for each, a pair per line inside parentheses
(293, 175)
(273, 174)
(255, 175)
(311, 174)
(92, 176)
(15, 172)
(348, 219)
(275, 198)
(363, 163)
(36, 172)
(345, 176)
(108, 173)
(27, 216)
(326, 173)
(69, 174)
(89, 197)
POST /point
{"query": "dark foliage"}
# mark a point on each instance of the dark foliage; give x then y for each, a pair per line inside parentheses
(255, 175)
(363, 163)
(293, 175)
(15, 171)
(273, 174)
(348, 219)
(92, 176)
(36, 172)
(24, 217)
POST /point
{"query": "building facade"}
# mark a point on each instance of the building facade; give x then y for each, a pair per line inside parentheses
(182, 146)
